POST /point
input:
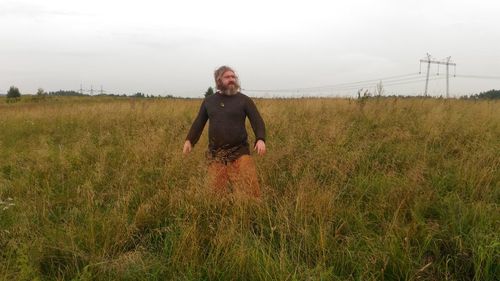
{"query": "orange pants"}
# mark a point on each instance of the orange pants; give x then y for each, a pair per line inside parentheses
(241, 174)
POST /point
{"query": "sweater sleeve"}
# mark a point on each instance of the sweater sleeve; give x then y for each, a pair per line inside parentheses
(258, 126)
(198, 125)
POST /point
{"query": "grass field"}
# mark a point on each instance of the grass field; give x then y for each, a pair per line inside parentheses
(377, 189)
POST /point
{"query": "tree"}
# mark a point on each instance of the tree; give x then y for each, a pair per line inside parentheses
(366, 93)
(13, 93)
(209, 92)
(40, 92)
(491, 94)
(380, 89)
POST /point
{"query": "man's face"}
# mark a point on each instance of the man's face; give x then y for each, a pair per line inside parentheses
(229, 83)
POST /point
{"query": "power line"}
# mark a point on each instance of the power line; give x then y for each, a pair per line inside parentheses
(388, 82)
(366, 81)
(477, 76)
(392, 84)
(371, 84)
(415, 81)
(400, 81)
(395, 82)
(333, 91)
(363, 82)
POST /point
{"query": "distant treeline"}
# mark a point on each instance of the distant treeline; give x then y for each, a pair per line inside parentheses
(136, 95)
(66, 93)
(490, 95)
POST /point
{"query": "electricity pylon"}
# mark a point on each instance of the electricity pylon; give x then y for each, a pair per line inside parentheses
(446, 62)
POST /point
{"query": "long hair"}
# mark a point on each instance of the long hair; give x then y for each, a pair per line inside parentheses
(218, 75)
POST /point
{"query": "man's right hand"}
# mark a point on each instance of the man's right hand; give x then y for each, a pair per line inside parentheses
(187, 147)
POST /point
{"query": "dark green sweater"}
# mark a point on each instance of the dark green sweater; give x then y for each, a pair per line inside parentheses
(227, 136)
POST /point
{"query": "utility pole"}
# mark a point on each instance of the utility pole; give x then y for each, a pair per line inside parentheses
(448, 77)
(91, 90)
(428, 70)
(446, 62)
(81, 89)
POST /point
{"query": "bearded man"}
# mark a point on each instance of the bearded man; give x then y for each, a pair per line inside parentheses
(228, 153)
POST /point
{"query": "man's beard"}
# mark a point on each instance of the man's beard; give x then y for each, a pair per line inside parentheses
(231, 89)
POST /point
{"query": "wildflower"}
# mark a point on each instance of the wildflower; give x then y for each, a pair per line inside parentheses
(6, 204)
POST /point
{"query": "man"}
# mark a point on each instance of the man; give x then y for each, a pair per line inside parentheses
(228, 148)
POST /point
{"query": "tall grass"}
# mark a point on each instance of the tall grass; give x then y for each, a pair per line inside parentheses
(382, 189)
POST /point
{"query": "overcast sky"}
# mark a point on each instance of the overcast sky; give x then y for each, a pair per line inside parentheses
(172, 47)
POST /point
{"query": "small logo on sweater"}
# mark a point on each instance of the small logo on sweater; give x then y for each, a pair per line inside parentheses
(222, 104)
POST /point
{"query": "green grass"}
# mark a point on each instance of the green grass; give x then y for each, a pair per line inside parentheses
(382, 189)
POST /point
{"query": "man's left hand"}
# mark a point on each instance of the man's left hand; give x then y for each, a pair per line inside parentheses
(260, 147)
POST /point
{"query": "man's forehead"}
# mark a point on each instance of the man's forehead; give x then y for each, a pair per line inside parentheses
(228, 73)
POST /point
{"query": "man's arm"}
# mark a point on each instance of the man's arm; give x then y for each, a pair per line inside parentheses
(196, 129)
(258, 126)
